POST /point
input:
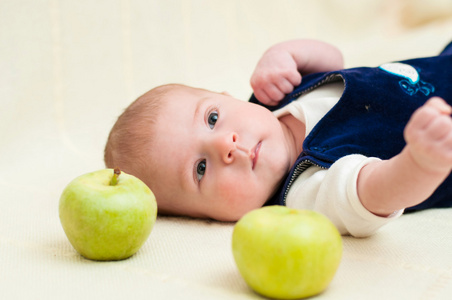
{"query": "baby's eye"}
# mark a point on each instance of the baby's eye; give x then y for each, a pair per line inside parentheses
(212, 119)
(201, 169)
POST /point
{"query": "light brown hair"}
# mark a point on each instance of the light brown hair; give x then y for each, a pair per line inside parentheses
(129, 144)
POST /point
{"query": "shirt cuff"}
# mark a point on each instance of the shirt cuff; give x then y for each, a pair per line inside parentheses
(374, 221)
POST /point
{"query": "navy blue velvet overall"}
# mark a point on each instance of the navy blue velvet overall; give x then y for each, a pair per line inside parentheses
(371, 115)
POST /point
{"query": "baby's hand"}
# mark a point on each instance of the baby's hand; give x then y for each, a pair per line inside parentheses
(275, 76)
(429, 136)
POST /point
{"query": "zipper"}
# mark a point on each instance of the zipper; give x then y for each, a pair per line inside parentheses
(330, 78)
(300, 168)
(305, 164)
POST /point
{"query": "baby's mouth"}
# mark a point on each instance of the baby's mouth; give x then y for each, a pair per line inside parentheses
(255, 154)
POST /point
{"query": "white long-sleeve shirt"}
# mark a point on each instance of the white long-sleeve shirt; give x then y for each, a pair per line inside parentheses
(332, 192)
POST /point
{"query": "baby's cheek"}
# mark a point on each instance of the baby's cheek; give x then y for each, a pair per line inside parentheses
(240, 197)
(231, 192)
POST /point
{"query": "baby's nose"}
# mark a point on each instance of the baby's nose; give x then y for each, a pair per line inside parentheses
(225, 145)
(229, 148)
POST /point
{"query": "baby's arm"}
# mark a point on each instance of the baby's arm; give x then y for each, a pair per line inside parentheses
(278, 71)
(412, 176)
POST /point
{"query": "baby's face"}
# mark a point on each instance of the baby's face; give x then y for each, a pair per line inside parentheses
(217, 157)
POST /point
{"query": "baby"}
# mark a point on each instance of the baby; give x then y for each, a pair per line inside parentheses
(358, 145)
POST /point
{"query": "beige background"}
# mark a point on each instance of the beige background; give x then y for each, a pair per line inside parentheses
(68, 69)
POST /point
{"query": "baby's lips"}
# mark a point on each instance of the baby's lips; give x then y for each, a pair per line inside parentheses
(255, 153)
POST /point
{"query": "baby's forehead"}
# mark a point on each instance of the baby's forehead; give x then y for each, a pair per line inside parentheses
(184, 99)
(183, 90)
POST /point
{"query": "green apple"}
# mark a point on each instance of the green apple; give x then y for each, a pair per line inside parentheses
(107, 215)
(286, 253)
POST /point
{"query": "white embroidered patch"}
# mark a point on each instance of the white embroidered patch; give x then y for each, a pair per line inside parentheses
(402, 70)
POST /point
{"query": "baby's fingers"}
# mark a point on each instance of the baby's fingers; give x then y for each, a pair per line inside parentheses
(268, 95)
(440, 105)
(426, 114)
(285, 86)
(294, 78)
(274, 93)
(440, 129)
(429, 130)
(262, 96)
(429, 136)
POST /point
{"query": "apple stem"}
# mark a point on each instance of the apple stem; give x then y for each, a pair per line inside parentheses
(114, 178)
